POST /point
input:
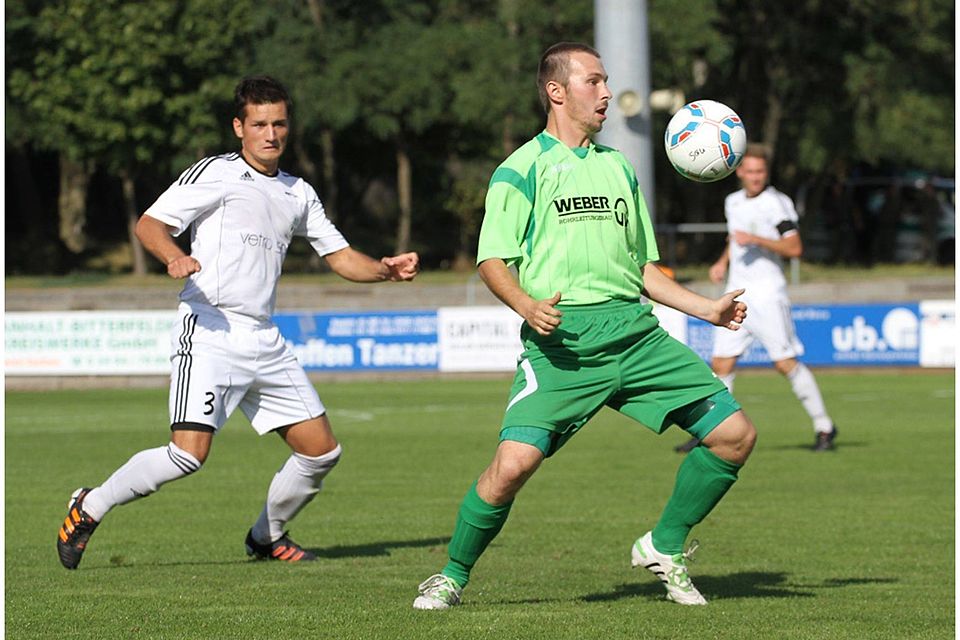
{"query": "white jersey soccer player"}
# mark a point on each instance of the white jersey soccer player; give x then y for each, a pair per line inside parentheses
(242, 222)
(771, 215)
(242, 212)
(762, 230)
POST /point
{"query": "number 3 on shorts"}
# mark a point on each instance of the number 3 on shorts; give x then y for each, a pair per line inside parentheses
(209, 403)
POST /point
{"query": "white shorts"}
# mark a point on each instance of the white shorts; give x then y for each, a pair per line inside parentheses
(218, 366)
(768, 321)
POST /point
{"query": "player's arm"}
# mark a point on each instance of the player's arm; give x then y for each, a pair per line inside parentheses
(156, 238)
(725, 311)
(718, 270)
(787, 245)
(350, 264)
(542, 315)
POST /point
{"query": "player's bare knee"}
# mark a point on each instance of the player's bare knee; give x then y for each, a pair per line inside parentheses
(733, 439)
(785, 367)
(499, 490)
(505, 477)
(512, 472)
(192, 437)
(748, 438)
(723, 366)
(313, 438)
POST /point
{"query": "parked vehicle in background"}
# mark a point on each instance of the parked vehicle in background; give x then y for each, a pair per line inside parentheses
(908, 218)
(947, 226)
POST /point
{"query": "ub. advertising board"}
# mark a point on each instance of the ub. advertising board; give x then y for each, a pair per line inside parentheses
(858, 335)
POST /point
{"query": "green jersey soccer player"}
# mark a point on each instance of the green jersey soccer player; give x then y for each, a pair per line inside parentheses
(568, 214)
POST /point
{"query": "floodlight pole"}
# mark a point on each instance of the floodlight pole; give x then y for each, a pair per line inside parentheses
(620, 27)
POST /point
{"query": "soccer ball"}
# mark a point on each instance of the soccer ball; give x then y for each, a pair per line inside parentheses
(705, 141)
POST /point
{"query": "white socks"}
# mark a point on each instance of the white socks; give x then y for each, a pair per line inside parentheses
(728, 380)
(806, 389)
(293, 486)
(143, 474)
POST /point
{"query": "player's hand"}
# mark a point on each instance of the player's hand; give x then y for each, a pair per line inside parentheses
(183, 267)
(730, 312)
(744, 239)
(403, 267)
(717, 272)
(543, 316)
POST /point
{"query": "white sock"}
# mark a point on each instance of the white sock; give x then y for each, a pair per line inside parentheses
(728, 380)
(143, 474)
(293, 486)
(806, 389)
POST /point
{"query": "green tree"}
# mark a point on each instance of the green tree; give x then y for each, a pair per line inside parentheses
(828, 86)
(863, 81)
(399, 82)
(434, 93)
(495, 104)
(902, 83)
(25, 207)
(126, 86)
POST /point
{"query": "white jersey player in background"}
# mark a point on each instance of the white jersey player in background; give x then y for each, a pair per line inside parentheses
(762, 229)
(242, 212)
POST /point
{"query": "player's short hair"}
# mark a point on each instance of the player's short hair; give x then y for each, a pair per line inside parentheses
(259, 90)
(555, 67)
(758, 150)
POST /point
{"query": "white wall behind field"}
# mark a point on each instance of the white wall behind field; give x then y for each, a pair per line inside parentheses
(301, 296)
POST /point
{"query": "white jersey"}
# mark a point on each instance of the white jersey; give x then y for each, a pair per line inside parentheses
(242, 224)
(770, 214)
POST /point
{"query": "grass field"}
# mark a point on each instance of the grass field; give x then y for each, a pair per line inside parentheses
(856, 543)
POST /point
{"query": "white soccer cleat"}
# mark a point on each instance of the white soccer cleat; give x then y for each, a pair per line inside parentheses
(672, 571)
(438, 592)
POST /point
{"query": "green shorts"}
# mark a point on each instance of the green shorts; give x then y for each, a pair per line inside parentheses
(610, 354)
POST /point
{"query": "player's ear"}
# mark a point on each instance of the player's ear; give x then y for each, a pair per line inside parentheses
(238, 127)
(555, 91)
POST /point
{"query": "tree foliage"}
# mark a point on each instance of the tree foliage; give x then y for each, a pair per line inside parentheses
(436, 92)
(128, 84)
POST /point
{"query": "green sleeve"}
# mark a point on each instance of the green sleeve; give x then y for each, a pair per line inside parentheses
(647, 239)
(507, 221)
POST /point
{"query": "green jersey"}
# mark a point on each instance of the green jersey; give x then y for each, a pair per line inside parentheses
(571, 219)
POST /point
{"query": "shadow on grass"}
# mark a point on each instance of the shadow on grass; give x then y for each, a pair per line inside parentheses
(376, 548)
(751, 584)
(372, 549)
(121, 562)
(808, 447)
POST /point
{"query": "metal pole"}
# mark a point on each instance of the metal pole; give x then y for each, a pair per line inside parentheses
(623, 43)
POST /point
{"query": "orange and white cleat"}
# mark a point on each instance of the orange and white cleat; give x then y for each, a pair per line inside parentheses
(283, 549)
(75, 531)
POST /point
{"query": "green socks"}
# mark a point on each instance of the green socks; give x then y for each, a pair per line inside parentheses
(702, 480)
(478, 523)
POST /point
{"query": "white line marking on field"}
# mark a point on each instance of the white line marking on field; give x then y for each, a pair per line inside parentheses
(359, 416)
(379, 412)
